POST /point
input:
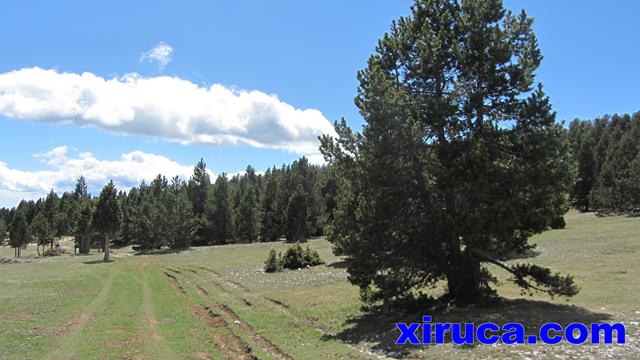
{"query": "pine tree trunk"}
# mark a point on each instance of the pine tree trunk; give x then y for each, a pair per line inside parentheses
(107, 240)
(84, 245)
(463, 279)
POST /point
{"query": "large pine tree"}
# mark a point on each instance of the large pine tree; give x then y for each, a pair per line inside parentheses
(296, 226)
(179, 216)
(82, 229)
(460, 160)
(107, 217)
(219, 211)
(198, 190)
(271, 219)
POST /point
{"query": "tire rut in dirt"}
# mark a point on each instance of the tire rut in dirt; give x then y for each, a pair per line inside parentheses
(174, 282)
(264, 343)
(231, 346)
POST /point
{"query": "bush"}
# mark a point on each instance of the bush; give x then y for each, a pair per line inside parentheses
(293, 258)
(296, 257)
(50, 252)
(274, 262)
(311, 257)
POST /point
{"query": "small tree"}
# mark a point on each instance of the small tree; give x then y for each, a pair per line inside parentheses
(108, 215)
(82, 231)
(42, 231)
(273, 262)
(19, 234)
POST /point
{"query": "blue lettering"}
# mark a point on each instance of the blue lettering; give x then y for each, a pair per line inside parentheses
(569, 333)
(481, 333)
(456, 334)
(441, 329)
(544, 333)
(514, 333)
(407, 333)
(608, 333)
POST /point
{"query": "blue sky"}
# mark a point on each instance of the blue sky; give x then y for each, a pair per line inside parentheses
(290, 60)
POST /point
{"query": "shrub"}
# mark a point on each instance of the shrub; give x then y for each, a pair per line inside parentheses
(311, 257)
(293, 258)
(274, 262)
(296, 257)
(50, 252)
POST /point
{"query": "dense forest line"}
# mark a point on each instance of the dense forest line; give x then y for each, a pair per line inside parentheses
(607, 154)
(294, 201)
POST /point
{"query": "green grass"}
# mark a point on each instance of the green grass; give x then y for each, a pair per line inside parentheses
(216, 302)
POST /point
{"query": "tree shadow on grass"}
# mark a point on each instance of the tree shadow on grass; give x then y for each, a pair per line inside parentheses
(96, 261)
(340, 264)
(165, 251)
(378, 328)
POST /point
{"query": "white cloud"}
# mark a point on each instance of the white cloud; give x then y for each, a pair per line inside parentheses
(161, 55)
(128, 171)
(164, 107)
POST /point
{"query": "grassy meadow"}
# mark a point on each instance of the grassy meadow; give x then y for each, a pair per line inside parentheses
(217, 303)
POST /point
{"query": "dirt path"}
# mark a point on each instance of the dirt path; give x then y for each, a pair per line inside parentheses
(230, 345)
(71, 331)
(154, 345)
(219, 282)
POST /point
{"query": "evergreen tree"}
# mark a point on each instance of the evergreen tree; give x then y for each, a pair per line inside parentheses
(271, 220)
(66, 215)
(19, 233)
(329, 193)
(148, 216)
(198, 189)
(107, 217)
(246, 219)
(179, 216)
(630, 185)
(42, 231)
(51, 209)
(128, 216)
(459, 162)
(3, 230)
(80, 190)
(296, 223)
(82, 230)
(219, 212)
